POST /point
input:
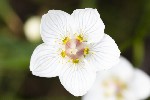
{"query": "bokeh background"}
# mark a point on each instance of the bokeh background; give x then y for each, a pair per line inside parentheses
(127, 21)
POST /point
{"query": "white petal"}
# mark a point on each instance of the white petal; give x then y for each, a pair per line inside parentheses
(123, 70)
(98, 90)
(104, 54)
(89, 23)
(93, 96)
(54, 26)
(95, 93)
(77, 79)
(45, 61)
(129, 95)
(141, 85)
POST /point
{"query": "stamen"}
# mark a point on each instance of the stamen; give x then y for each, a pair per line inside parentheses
(75, 61)
(63, 54)
(65, 40)
(119, 96)
(80, 38)
(86, 51)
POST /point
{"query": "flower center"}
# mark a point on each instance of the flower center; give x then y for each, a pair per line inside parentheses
(74, 49)
(114, 87)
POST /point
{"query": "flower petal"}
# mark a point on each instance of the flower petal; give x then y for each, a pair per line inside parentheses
(54, 26)
(96, 92)
(123, 70)
(104, 54)
(89, 23)
(45, 61)
(141, 85)
(77, 79)
(95, 95)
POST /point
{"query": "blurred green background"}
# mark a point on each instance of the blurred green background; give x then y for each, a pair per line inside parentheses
(127, 21)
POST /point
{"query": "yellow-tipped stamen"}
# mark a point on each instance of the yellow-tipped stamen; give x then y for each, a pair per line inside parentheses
(80, 38)
(63, 54)
(65, 40)
(119, 96)
(86, 51)
(75, 61)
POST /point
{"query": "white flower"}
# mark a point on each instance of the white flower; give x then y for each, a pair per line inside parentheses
(122, 82)
(74, 48)
(32, 29)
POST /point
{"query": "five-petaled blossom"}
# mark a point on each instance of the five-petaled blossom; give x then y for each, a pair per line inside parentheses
(75, 47)
(122, 82)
